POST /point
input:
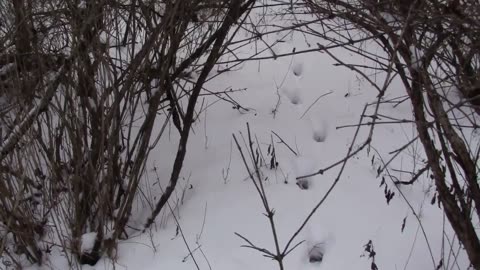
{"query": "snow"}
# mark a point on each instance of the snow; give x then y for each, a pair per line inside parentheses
(92, 103)
(298, 69)
(320, 130)
(416, 57)
(293, 94)
(155, 91)
(13, 135)
(88, 240)
(353, 215)
(391, 19)
(216, 205)
(82, 4)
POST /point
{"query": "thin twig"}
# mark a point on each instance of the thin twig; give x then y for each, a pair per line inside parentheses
(282, 141)
(311, 105)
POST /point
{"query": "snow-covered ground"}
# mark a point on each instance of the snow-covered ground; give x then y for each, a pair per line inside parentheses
(216, 199)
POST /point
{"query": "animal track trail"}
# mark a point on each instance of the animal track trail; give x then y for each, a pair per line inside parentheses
(293, 91)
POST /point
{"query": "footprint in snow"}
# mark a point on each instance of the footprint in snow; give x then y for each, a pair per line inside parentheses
(319, 130)
(316, 252)
(317, 244)
(303, 166)
(297, 69)
(293, 95)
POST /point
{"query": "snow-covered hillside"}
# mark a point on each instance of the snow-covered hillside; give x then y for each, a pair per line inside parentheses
(294, 106)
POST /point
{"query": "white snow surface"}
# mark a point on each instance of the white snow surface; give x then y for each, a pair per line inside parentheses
(88, 240)
(416, 57)
(219, 199)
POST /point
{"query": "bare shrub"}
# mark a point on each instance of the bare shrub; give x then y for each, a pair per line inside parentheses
(84, 85)
(432, 47)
